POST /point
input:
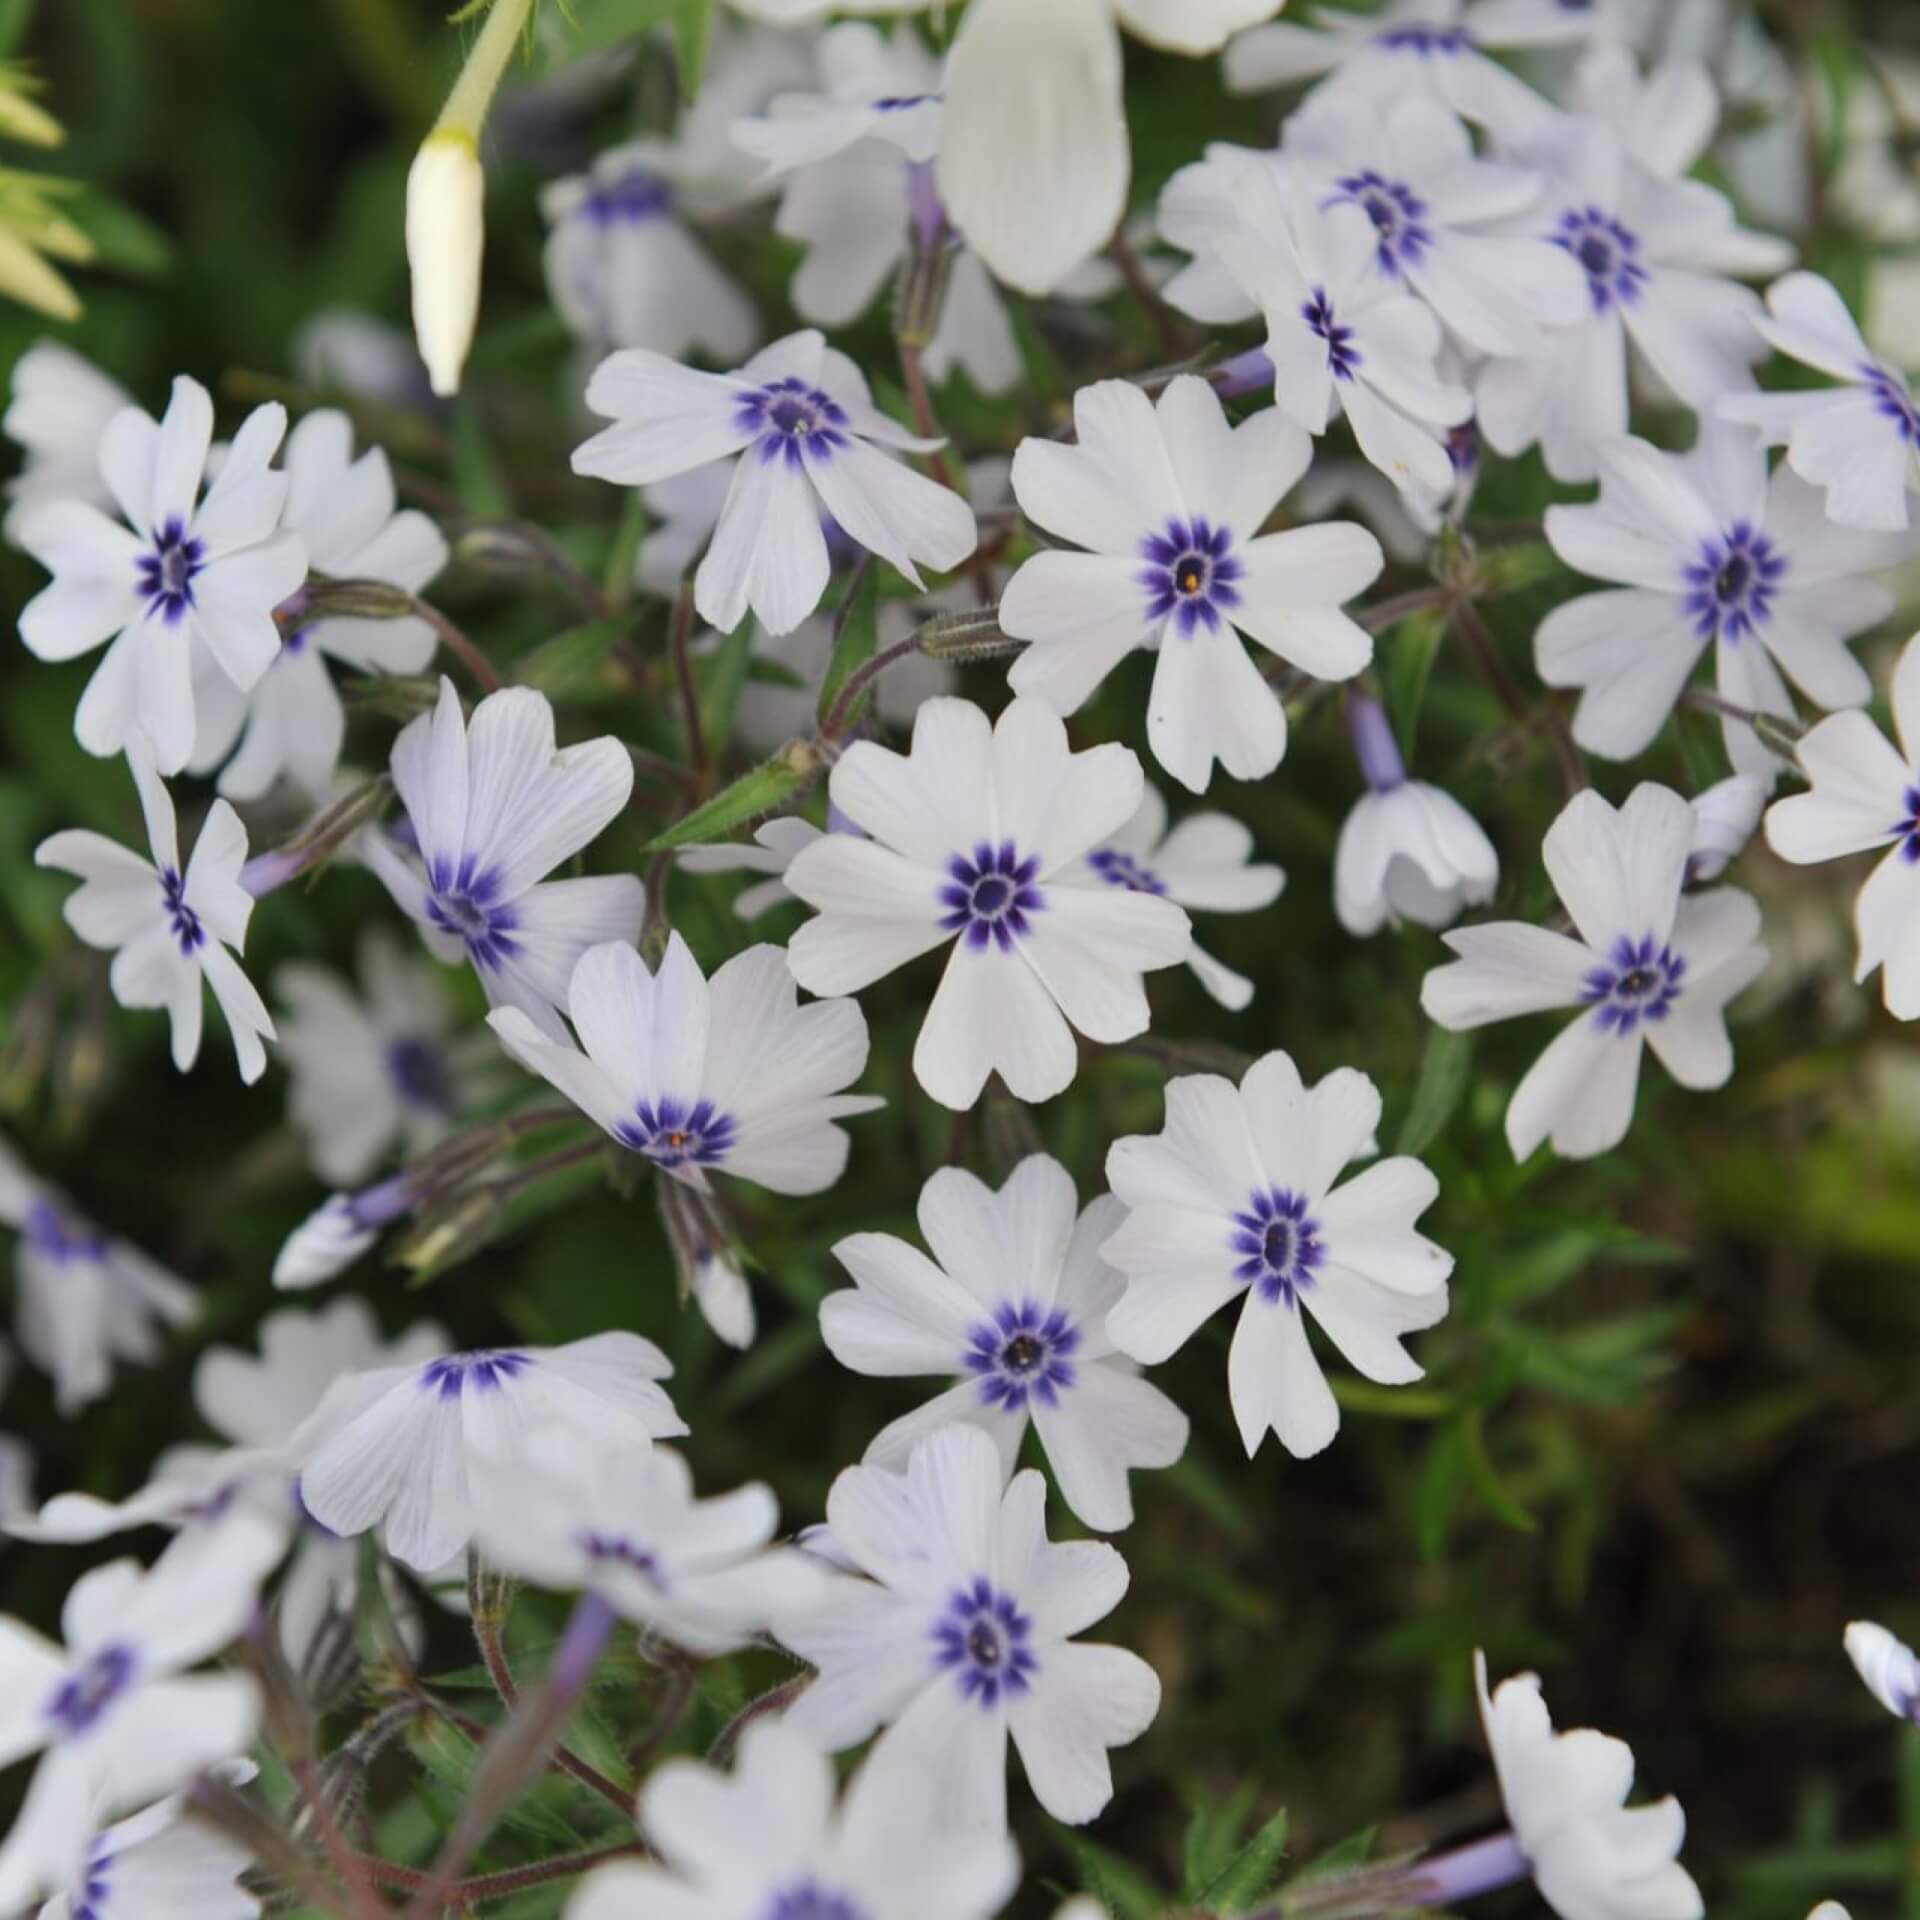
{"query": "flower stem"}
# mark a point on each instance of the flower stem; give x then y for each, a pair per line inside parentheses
(509, 1880)
(456, 642)
(914, 373)
(679, 646)
(472, 95)
(1479, 1868)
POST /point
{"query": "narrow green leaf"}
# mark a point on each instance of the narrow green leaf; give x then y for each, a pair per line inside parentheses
(856, 634)
(1480, 1468)
(1410, 653)
(749, 798)
(571, 662)
(1438, 1492)
(124, 240)
(722, 675)
(1252, 1870)
(1213, 1838)
(1119, 1886)
(1445, 1070)
(16, 16)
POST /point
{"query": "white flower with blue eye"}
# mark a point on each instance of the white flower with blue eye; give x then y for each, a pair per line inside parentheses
(729, 1075)
(961, 1637)
(1887, 1665)
(116, 1717)
(160, 1865)
(801, 434)
(1709, 552)
(972, 831)
(168, 926)
(1647, 967)
(186, 568)
(494, 809)
(1014, 1305)
(1864, 796)
(1204, 865)
(1235, 1198)
(1166, 501)
(1858, 441)
(82, 1297)
(419, 1450)
(60, 408)
(291, 724)
(884, 1851)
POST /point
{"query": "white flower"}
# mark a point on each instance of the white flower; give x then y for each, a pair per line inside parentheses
(1864, 793)
(1407, 851)
(1168, 500)
(185, 568)
(1342, 336)
(1592, 1856)
(873, 86)
(1433, 49)
(348, 351)
(420, 1449)
(1887, 1665)
(116, 1717)
(1434, 205)
(731, 1075)
(367, 1069)
(328, 1241)
(446, 238)
(883, 1852)
(623, 269)
(1709, 552)
(1205, 865)
(682, 513)
(494, 809)
(292, 722)
(1014, 1304)
(82, 1298)
(1236, 1195)
(1859, 441)
(1725, 818)
(1647, 967)
(972, 830)
(775, 844)
(169, 927)
(1405, 524)
(160, 1865)
(1658, 254)
(962, 1637)
(802, 433)
(61, 406)
(700, 1575)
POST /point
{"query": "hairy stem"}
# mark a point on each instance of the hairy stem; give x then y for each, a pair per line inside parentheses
(459, 644)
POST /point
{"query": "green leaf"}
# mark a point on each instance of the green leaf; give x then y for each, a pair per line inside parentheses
(1481, 1469)
(1251, 1871)
(570, 663)
(856, 633)
(1213, 1838)
(599, 24)
(1445, 1070)
(16, 16)
(1438, 1492)
(750, 797)
(1354, 1851)
(1409, 664)
(124, 240)
(724, 673)
(1119, 1886)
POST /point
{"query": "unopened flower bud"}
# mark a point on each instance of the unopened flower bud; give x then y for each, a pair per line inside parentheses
(446, 236)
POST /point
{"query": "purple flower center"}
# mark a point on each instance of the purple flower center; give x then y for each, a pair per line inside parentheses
(1909, 828)
(418, 1072)
(808, 1900)
(672, 1133)
(187, 930)
(1024, 1352)
(616, 1550)
(1191, 574)
(632, 198)
(1892, 400)
(1730, 588)
(61, 1237)
(1119, 869)
(77, 1703)
(97, 1888)
(166, 572)
(1640, 980)
(1279, 1245)
(484, 1370)
(792, 421)
(467, 904)
(1608, 252)
(1342, 355)
(989, 897)
(1399, 217)
(1424, 40)
(981, 1640)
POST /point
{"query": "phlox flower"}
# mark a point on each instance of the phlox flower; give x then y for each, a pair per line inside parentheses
(1167, 500)
(160, 1865)
(82, 1298)
(291, 723)
(1887, 1666)
(699, 1575)
(773, 849)
(367, 1069)
(1408, 850)
(1709, 551)
(494, 809)
(1646, 966)
(60, 406)
(419, 1449)
(185, 568)
(1205, 864)
(346, 350)
(1014, 1305)
(961, 1637)
(115, 1715)
(1725, 818)
(728, 1075)
(1591, 1856)
(1859, 441)
(1236, 1195)
(802, 433)
(169, 927)
(971, 832)
(882, 1851)
(1864, 794)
